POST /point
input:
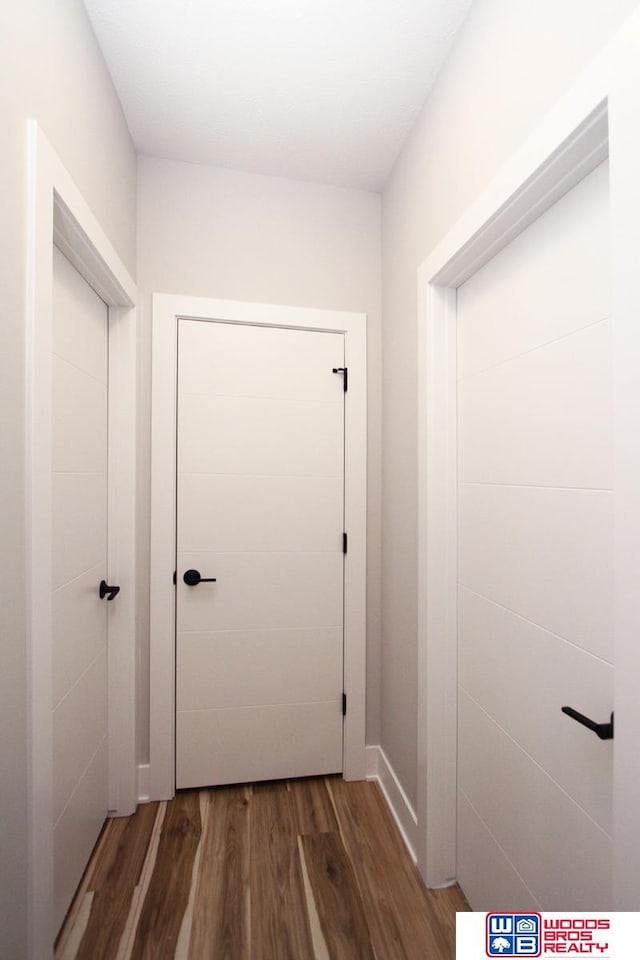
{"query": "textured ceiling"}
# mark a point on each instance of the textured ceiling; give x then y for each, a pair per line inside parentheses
(324, 90)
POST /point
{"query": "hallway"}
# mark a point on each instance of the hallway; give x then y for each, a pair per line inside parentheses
(301, 869)
(438, 528)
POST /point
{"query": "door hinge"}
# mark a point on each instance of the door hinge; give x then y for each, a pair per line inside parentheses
(344, 704)
(344, 543)
(175, 577)
(345, 371)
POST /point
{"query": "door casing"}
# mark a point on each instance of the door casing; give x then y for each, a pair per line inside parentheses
(595, 120)
(167, 309)
(57, 213)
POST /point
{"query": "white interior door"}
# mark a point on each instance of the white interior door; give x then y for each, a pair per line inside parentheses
(79, 563)
(260, 508)
(535, 564)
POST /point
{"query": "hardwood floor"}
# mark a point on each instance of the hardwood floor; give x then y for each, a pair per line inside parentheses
(304, 870)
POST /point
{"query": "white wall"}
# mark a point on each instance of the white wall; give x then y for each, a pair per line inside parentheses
(211, 232)
(510, 63)
(51, 70)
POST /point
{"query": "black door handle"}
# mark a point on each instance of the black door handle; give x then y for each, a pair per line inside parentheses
(602, 730)
(192, 578)
(106, 590)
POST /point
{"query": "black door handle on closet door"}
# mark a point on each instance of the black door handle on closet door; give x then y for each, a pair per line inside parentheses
(602, 730)
(192, 578)
(106, 590)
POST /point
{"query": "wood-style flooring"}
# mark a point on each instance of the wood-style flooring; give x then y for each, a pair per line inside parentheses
(293, 870)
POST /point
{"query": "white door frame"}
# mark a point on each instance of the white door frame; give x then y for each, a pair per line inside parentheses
(596, 118)
(57, 213)
(167, 310)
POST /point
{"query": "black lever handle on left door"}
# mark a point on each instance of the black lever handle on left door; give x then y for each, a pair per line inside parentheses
(106, 590)
(192, 578)
(602, 730)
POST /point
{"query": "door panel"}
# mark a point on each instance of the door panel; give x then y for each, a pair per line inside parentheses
(271, 742)
(79, 524)
(262, 590)
(78, 728)
(260, 507)
(81, 420)
(246, 513)
(79, 503)
(544, 553)
(554, 845)
(231, 667)
(535, 563)
(269, 438)
(285, 365)
(479, 857)
(521, 448)
(502, 659)
(73, 610)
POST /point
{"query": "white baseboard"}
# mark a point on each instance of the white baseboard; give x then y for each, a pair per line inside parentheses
(379, 768)
(143, 783)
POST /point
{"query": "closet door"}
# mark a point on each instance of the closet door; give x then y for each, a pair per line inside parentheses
(260, 520)
(535, 564)
(79, 563)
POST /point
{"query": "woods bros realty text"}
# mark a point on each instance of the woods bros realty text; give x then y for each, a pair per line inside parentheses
(575, 936)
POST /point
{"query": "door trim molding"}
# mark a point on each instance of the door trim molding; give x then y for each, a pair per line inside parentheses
(596, 118)
(166, 310)
(57, 213)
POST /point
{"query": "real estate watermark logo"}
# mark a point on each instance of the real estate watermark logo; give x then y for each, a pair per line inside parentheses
(513, 935)
(548, 936)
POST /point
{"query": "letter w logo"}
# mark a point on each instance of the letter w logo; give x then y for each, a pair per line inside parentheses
(501, 925)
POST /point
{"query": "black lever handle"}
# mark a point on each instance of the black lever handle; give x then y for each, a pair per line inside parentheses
(106, 590)
(192, 578)
(602, 730)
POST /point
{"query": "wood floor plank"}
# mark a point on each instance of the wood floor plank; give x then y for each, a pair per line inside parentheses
(337, 897)
(408, 887)
(320, 949)
(117, 871)
(440, 905)
(168, 892)
(311, 806)
(279, 921)
(384, 929)
(220, 929)
(401, 923)
(128, 937)
(72, 929)
(67, 948)
(445, 904)
(124, 850)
